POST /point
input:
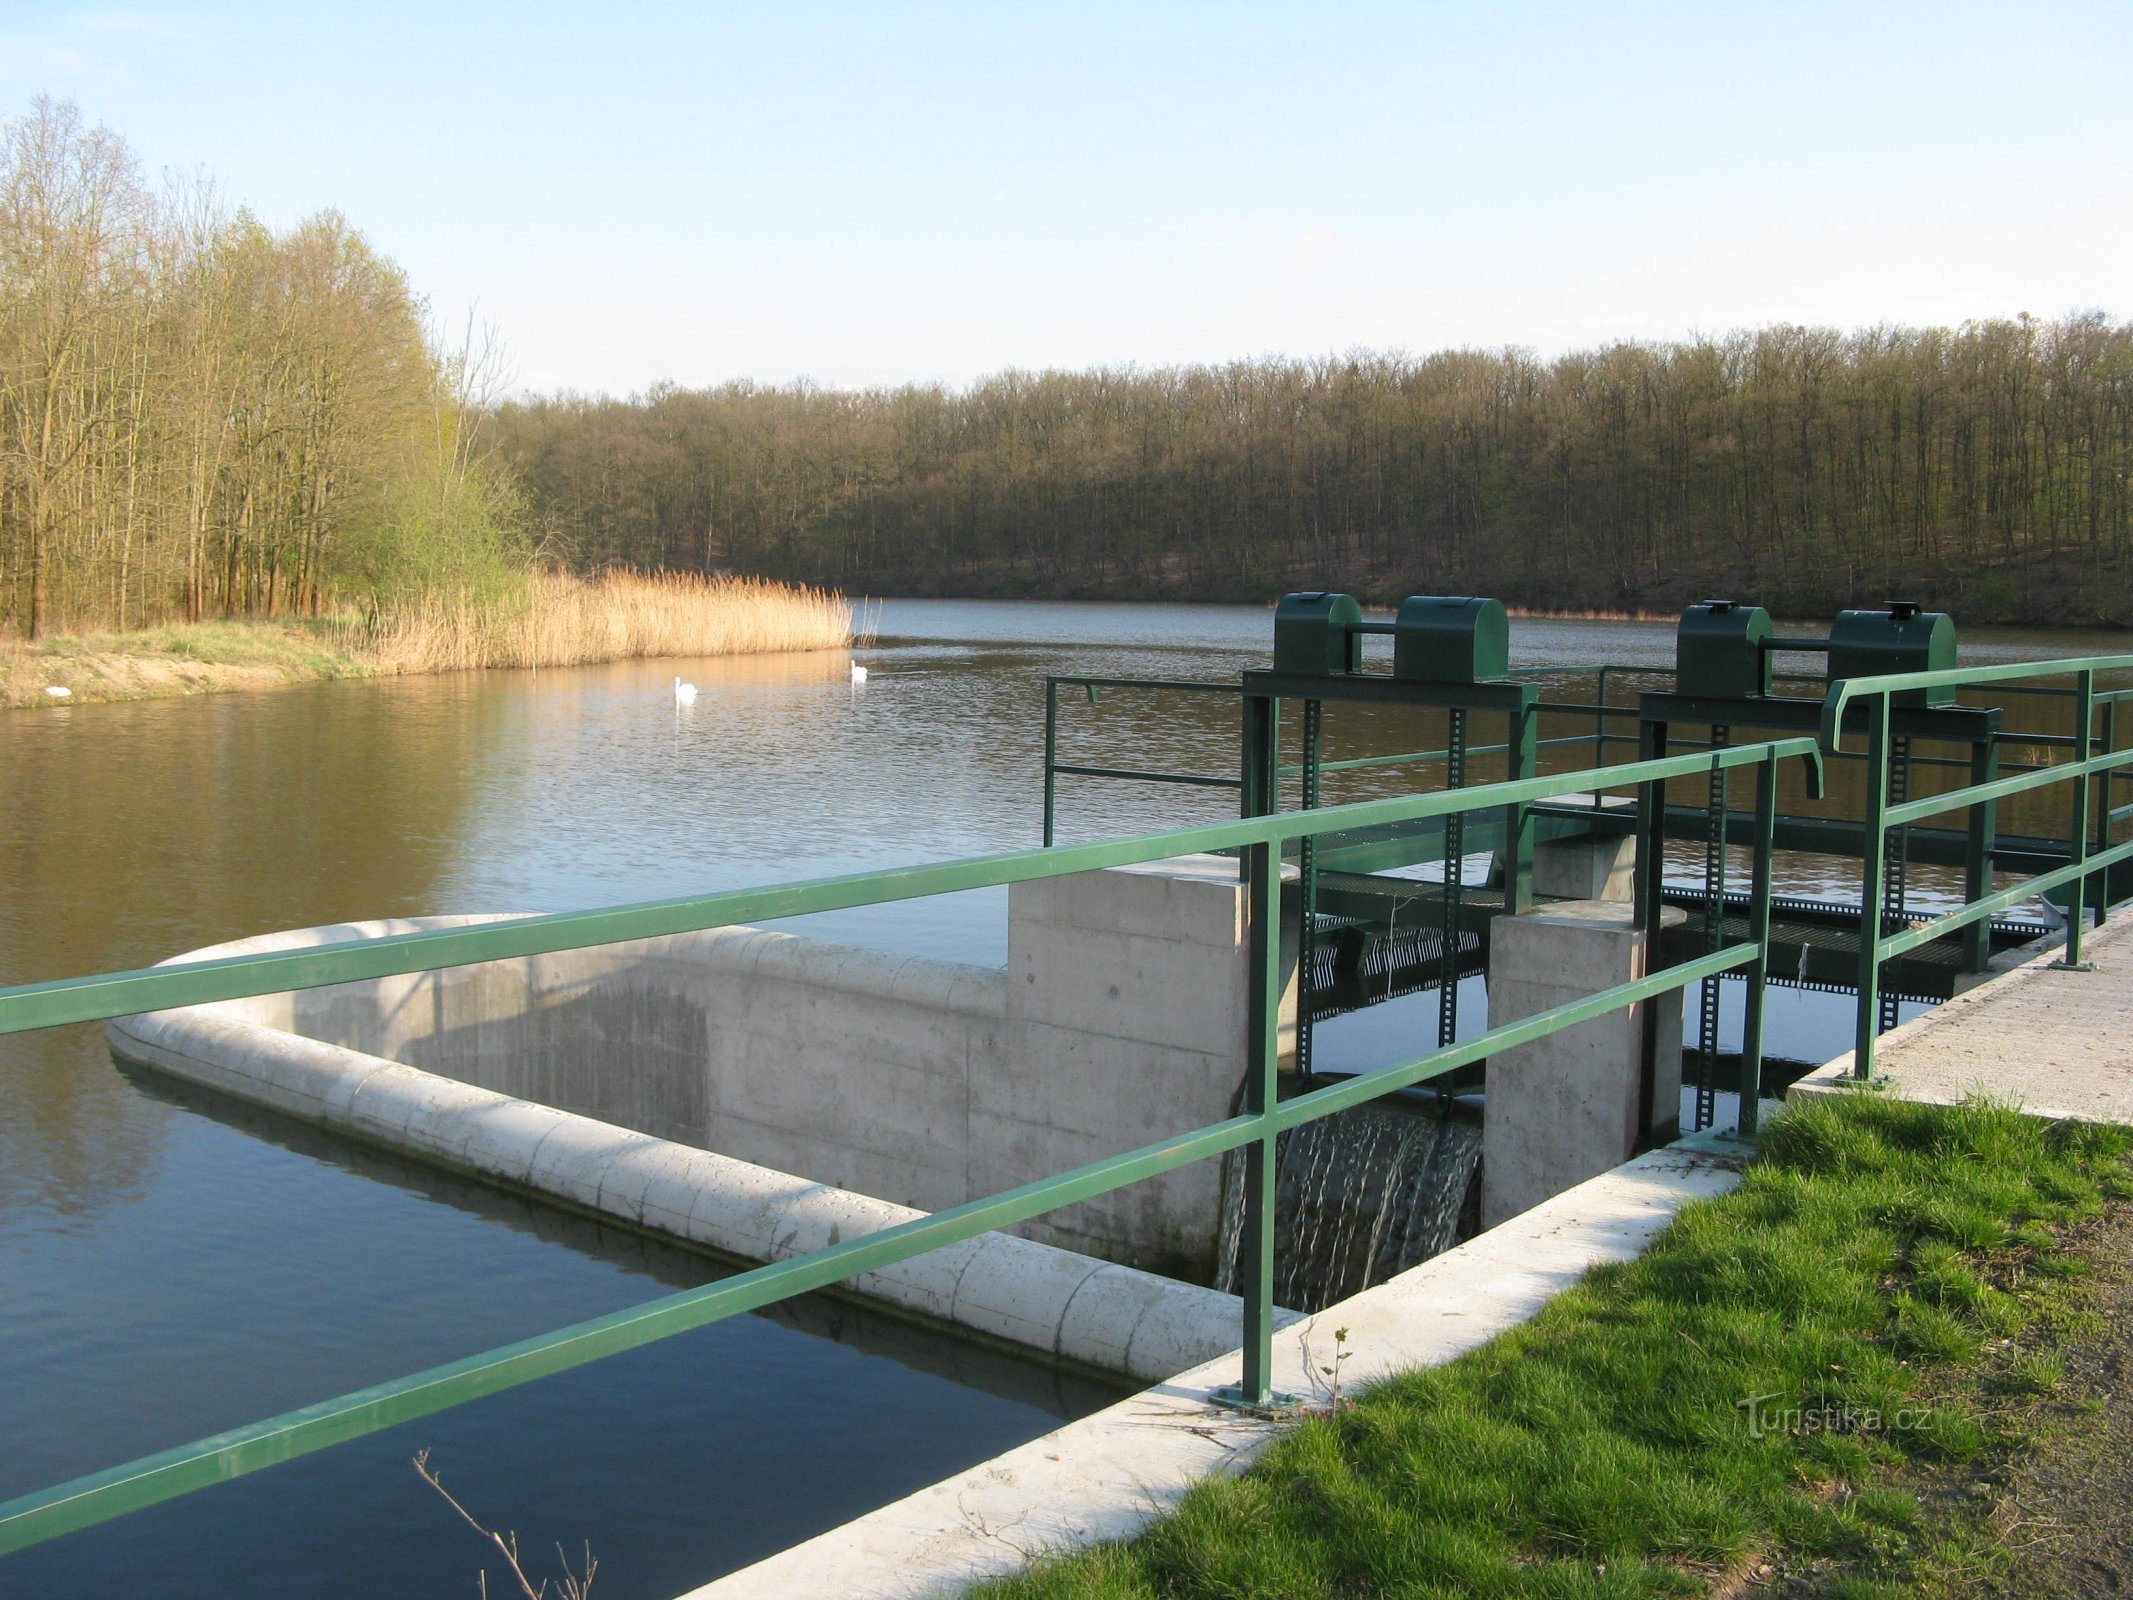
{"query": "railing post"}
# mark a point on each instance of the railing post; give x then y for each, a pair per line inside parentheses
(1599, 732)
(1977, 853)
(1262, 865)
(1873, 846)
(1307, 889)
(1521, 754)
(1051, 753)
(2100, 813)
(1259, 758)
(1649, 914)
(1751, 1027)
(1710, 994)
(2078, 824)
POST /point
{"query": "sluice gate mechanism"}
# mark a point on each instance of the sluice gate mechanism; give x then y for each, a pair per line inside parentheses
(1381, 916)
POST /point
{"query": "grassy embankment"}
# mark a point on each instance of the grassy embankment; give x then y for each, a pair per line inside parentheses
(550, 621)
(1818, 1378)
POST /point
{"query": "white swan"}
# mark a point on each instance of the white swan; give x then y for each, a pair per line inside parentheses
(859, 673)
(684, 693)
(59, 691)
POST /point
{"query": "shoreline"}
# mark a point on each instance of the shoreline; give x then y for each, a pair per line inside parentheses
(175, 660)
(555, 620)
(171, 662)
(228, 658)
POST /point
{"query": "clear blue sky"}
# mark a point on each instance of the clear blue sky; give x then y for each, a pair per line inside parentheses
(875, 193)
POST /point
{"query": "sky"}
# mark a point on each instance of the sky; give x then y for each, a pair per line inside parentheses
(880, 194)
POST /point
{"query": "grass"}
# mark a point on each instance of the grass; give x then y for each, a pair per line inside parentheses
(1761, 1383)
(307, 651)
(548, 620)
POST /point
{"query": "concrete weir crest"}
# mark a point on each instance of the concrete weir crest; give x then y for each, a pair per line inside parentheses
(767, 1095)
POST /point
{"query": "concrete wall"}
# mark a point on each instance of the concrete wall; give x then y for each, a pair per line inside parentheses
(1119, 1020)
(1126, 1017)
(1599, 868)
(1013, 1289)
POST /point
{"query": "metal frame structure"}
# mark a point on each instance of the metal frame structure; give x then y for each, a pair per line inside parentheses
(1658, 711)
(1978, 847)
(1263, 693)
(2088, 768)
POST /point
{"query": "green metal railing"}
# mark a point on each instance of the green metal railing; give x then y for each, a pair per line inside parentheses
(1600, 709)
(1054, 768)
(2089, 849)
(100, 1496)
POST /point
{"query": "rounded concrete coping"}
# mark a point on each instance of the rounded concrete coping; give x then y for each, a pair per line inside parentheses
(1057, 1301)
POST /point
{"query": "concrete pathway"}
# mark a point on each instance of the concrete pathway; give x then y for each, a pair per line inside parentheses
(2060, 1043)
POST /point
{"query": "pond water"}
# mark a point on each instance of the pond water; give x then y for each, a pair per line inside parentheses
(174, 1266)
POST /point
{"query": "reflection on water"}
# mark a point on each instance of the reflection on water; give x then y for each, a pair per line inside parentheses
(745, 1416)
(169, 1272)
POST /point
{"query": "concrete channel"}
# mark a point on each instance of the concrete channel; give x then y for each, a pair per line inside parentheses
(765, 1095)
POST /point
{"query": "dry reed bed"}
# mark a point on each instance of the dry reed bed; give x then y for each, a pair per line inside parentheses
(548, 619)
(560, 621)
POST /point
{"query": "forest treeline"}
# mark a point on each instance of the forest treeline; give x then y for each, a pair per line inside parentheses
(1984, 469)
(201, 415)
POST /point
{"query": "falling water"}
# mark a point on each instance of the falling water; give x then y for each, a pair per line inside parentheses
(1359, 1196)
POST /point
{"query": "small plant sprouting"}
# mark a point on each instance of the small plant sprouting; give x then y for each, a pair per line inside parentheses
(1331, 1371)
(571, 1586)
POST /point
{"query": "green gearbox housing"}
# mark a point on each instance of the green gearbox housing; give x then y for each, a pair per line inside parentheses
(1896, 638)
(1441, 639)
(1435, 638)
(1720, 650)
(1317, 632)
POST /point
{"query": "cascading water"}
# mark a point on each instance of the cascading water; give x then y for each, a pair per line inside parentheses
(1359, 1196)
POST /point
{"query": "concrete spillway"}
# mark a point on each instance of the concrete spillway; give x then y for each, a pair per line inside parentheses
(766, 1095)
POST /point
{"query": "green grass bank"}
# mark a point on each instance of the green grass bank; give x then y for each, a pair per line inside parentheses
(1777, 1393)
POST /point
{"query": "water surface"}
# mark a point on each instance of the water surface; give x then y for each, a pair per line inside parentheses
(173, 1266)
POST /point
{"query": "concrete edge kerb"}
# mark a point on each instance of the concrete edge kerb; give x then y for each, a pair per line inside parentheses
(1030, 1290)
(1109, 1474)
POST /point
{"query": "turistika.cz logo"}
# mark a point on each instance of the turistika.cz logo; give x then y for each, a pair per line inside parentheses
(1766, 1415)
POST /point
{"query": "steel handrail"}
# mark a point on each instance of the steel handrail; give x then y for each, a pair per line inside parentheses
(97, 1497)
(2083, 875)
(1054, 768)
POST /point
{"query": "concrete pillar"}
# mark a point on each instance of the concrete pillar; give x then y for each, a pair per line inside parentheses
(1565, 1108)
(1601, 866)
(1126, 1001)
